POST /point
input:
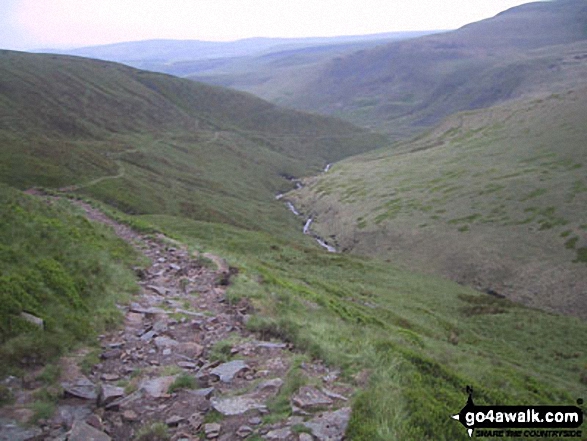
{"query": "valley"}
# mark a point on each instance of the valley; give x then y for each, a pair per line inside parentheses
(493, 199)
(181, 260)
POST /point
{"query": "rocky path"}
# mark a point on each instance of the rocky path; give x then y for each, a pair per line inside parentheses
(184, 364)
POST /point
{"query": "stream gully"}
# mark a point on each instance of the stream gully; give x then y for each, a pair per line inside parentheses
(309, 221)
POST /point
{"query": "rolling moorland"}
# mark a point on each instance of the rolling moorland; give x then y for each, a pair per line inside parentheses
(494, 199)
(403, 88)
(198, 150)
(240, 60)
(202, 164)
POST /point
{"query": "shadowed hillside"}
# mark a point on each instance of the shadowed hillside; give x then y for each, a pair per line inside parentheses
(404, 87)
(151, 143)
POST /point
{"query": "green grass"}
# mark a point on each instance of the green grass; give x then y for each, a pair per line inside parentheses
(280, 405)
(183, 381)
(202, 165)
(153, 432)
(60, 267)
(148, 143)
(221, 351)
(421, 339)
(495, 189)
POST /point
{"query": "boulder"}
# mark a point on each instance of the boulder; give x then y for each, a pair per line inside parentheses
(227, 371)
(109, 394)
(80, 388)
(157, 387)
(84, 432)
(330, 426)
(37, 321)
(309, 397)
(236, 405)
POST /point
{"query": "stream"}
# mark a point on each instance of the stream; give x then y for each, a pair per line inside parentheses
(306, 229)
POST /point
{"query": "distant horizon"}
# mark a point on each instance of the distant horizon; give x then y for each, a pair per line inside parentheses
(350, 36)
(70, 24)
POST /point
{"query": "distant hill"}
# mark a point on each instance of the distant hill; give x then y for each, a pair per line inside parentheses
(185, 57)
(152, 143)
(495, 199)
(404, 87)
(201, 164)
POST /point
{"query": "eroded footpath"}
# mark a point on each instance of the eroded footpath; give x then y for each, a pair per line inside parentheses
(184, 364)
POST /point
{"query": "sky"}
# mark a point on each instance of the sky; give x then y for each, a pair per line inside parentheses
(35, 24)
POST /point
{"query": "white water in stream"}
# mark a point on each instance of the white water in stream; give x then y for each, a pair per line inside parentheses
(307, 226)
(292, 208)
(306, 229)
(325, 245)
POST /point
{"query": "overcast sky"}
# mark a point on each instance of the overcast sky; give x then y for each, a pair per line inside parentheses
(28, 24)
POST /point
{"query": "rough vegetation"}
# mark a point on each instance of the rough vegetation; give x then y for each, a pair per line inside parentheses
(59, 268)
(494, 199)
(151, 143)
(242, 327)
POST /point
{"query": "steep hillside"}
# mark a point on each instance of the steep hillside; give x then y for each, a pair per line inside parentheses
(201, 164)
(494, 199)
(402, 88)
(57, 267)
(151, 143)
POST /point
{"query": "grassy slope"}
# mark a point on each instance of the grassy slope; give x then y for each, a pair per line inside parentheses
(493, 198)
(268, 68)
(167, 145)
(60, 267)
(402, 88)
(278, 75)
(419, 339)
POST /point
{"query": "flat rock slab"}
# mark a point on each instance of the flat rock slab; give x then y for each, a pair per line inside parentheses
(135, 307)
(190, 349)
(65, 415)
(236, 405)
(189, 313)
(109, 393)
(165, 342)
(187, 365)
(84, 432)
(81, 388)
(269, 386)
(279, 434)
(37, 321)
(12, 431)
(205, 392)
(161, 290)
(227, 371)
(212, 430)
(330, 426)
(309, 397)
(157, 387)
